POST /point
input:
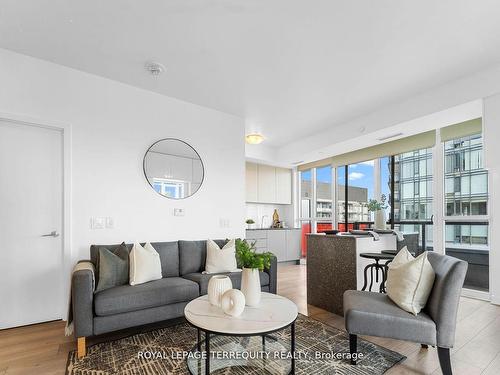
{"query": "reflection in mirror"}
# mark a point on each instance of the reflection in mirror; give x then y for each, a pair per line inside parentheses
(173, 168)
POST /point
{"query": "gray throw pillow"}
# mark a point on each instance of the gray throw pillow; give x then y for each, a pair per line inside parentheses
(113, 267)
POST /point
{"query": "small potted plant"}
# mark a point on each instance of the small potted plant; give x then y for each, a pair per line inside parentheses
(378, 208)
(250, 223)
(251, 262)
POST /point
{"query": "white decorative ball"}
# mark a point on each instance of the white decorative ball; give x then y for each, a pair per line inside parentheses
(233, 302)
(217, 285)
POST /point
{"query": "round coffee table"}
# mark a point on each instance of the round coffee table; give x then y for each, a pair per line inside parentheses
(273, 314)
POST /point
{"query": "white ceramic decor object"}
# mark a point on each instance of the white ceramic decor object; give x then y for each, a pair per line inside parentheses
(273, 313)
(250, 286)
(233, 302)
(217, 285)
(380, 222)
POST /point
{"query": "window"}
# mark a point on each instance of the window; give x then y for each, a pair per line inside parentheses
(341, 207)
(413, 192)
(466, 236)
(305, 194)
(324, 193)
(361, 183)
(305, 207)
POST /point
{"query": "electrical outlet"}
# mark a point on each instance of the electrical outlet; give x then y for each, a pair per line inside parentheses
(178, 211)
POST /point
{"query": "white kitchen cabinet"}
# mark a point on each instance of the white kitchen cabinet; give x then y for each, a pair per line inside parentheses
(251, 182)
(293, 238)
(284, 243)
(276, 243)
(283, 186)
(267, 184)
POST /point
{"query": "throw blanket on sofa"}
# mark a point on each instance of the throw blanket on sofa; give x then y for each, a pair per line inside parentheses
(80, 266)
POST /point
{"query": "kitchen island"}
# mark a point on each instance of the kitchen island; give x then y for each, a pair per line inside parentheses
(334, 266)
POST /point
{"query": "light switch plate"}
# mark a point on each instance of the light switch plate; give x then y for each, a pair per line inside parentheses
(178, 211)
(98, 223)
(110, 223)
(224, 223)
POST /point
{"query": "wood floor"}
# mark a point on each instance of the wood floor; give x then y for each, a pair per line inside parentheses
(43, 349)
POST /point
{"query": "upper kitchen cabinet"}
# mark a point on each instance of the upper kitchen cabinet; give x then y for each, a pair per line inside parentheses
(283, 186)
(267, 184)
(251, 182)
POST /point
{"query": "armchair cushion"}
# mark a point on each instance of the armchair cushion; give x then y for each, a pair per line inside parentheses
(374, 314)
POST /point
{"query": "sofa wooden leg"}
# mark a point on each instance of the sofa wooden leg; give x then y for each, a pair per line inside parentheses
(353, 347)
(444, 360)
(81, 348)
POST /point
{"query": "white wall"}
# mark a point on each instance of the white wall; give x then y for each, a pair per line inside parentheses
(112, 125)
(491, 125)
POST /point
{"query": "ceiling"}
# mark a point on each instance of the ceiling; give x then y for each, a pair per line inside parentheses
(290, 68)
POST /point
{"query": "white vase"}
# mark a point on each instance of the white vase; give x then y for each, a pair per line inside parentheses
(250, 286)
(233, 302)
(217, 286)
(380, 219)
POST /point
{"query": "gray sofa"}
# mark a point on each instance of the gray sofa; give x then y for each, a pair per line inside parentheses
(128, 306)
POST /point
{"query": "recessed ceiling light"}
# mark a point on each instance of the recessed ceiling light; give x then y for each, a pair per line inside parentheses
(155, 68)
(254, 139)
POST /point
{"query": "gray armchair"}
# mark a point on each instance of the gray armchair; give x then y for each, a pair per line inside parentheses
(374, 314)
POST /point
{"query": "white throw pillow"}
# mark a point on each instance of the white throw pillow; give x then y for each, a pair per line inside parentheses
(410, 281)
(221, 260)
(145, 264)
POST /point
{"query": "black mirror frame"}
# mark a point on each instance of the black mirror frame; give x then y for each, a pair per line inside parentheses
(187, 144)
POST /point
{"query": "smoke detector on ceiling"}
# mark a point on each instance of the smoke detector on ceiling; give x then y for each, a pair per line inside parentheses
(154, 68)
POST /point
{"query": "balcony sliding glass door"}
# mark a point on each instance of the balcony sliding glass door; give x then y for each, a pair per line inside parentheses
(466, 208)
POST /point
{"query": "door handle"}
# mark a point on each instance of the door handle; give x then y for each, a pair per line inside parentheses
(51, 234)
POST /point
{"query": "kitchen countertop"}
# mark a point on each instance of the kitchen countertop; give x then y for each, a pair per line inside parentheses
(347, 235)
(272, 228)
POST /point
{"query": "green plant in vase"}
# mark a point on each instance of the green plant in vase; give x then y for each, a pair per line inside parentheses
(378, 208)
(250, 222)
(251, 262)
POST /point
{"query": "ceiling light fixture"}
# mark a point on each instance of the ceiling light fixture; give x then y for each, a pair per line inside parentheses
(254, 139)
(154, 68)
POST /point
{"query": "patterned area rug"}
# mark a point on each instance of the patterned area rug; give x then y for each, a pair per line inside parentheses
(320, 349)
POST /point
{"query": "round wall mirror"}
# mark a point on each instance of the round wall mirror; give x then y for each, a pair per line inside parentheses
(173, 168)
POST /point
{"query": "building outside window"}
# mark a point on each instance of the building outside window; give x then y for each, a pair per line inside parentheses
(413, 193)
(466, 208)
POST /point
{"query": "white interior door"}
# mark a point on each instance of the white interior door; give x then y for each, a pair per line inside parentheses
(31, 254)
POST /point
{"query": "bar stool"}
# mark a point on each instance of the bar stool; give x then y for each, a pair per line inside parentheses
(377, 257)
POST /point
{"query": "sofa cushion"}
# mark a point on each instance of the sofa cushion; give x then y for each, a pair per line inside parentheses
(202, 279)
(192, 255)
(374, 314)
(113, 267)
(94, 255)
(127, 298)
(169, 257)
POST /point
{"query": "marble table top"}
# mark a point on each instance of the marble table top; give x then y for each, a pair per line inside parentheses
(274, 312)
